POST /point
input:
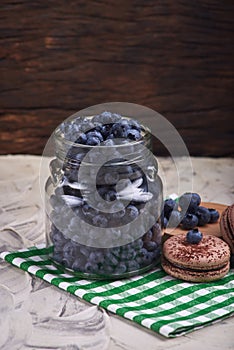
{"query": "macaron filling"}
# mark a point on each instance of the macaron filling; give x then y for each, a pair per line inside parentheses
(217, 268)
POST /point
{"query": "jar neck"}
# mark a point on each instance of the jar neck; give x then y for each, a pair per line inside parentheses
(73, 153)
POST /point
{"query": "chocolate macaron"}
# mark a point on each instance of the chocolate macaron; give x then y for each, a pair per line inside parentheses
(205, 261)
(227, 226)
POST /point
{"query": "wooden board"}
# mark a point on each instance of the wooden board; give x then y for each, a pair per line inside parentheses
(211, 229)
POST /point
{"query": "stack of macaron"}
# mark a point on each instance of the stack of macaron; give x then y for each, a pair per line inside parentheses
(227, 228)
(195, 257)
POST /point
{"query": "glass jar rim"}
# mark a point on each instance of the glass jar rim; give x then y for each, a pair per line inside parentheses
(58, 137)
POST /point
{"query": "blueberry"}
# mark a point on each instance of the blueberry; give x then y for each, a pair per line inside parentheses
(67, 262)
(97, 127)
(95, 134)
(117, 131)
(58, 256)
(71, 173)
(137, 244)
(100, 221)
(194, 236)
(150, 246)
(135, 125)
(128, 253)
(78, 120)
(91, 268)
(93, 141)
(189, 202)
(121, 268)
(133, 134)
(132, 265)
(67, 129)
(101, 191)
(115, 251)
(111, 136)
(124, 124)
(69, 250)
(107, 193)
(82, 139)
(59, 191)
(85, 251)
(79, 263)
(109, 141)
(55, 201)
(110, 195)
(132, 212)
(111, 259)
(89, 211)
(174, 219)
(107, 270)
(156, 230)
(144, 257)
(120, 129)
(119, 210)
(58, 240)
(79, 156)
(111, 178)
(169, 205)
(96, 257)
(105, 130)
(214, 215)
(106, 118)
(115, 117)
(86, 125)
(189, 221)
(148, 236)
(203, 216)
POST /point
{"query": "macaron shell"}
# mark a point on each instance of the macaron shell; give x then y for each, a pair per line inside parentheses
(231, 215)
(194, 276)
(210, 252)
(230, 218)
(227, 226)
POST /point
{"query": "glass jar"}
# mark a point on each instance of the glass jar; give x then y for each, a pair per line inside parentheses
(103, 198)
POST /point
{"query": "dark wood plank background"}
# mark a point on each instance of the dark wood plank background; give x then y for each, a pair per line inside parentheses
(176, 57)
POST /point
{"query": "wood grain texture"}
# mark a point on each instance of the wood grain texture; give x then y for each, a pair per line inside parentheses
(175, 57)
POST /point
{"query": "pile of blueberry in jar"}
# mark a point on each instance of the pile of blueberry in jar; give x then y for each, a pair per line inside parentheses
(187, 213)
(104, 221)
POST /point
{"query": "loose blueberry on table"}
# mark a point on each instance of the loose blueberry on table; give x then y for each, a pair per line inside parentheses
(107, 130)
(189, 202)
(214, 215)
(188, 213)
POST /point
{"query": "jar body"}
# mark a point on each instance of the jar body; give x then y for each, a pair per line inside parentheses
(103, 208)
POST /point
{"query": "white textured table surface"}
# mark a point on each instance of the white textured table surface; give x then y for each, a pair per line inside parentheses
(35, 315)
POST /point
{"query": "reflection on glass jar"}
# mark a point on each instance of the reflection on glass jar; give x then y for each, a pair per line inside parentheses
(104, 198)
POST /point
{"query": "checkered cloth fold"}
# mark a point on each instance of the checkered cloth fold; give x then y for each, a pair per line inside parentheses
(154, 300)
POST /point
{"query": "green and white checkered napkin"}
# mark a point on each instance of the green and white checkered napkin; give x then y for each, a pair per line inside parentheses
(154, 300)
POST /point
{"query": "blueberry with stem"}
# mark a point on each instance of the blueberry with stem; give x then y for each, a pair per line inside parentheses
(189, 222)
(194, 236)
(203, 215)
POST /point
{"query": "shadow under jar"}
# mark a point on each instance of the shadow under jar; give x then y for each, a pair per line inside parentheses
(104, 198)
